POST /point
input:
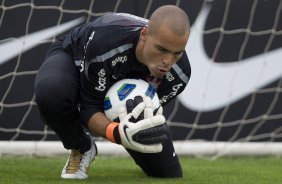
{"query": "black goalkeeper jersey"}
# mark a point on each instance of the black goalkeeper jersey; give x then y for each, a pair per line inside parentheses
(104, 49)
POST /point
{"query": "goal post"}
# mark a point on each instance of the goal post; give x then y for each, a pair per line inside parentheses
(231, 106)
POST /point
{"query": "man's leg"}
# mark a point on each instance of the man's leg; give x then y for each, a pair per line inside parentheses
(164, 164)
(57, 92)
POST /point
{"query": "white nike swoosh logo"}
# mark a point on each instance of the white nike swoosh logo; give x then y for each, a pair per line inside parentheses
(16, 46)
(215, 85)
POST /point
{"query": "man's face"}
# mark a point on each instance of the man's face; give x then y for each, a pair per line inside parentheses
(161, 50)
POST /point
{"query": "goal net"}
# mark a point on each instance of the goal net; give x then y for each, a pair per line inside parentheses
(232, 104)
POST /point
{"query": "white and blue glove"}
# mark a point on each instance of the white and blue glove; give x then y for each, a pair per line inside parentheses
(140, 129)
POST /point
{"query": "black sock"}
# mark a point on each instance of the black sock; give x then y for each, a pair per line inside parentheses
(84, 143)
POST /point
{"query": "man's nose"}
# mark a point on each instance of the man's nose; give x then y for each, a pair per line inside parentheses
(168, 60)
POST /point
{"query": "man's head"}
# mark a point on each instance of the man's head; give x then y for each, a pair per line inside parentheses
(163, 42)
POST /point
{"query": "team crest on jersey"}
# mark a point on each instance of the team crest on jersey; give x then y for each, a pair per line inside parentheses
(154, 82)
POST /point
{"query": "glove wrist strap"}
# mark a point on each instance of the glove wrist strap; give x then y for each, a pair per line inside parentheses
(112, 133)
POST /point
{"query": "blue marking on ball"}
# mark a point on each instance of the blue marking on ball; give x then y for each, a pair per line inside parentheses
(150, 92)
(107, 104)
(125, 90)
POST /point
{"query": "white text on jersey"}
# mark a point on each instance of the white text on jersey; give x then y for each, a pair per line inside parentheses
(169, 76)
(102, 80)
(174, 91)
(120, 59)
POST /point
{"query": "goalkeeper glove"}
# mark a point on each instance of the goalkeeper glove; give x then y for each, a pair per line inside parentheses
(139, 130)
(148, 111)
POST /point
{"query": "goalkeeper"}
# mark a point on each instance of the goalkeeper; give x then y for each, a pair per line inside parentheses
(82, 65)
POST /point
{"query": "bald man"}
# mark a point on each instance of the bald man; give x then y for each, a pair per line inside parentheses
(82, 65)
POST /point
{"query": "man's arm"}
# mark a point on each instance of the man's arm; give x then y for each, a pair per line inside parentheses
(143, 135)
(98, 124)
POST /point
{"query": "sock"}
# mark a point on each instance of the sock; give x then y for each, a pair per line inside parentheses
(84, 143)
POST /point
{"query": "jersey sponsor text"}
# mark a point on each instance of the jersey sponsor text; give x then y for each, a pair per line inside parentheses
(169, 76)
(120, 59)
(102, 80)
(173, 93)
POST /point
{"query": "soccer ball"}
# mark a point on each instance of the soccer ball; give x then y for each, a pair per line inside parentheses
(124, 90)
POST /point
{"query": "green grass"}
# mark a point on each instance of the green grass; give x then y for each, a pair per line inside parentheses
(239, 170)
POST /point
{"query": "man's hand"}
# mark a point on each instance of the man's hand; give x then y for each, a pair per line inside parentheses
(148, 110)
(132, 132)
(139, 129)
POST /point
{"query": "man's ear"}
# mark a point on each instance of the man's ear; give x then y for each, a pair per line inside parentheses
(144, 33)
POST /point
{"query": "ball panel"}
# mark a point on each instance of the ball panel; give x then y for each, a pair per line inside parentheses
(107, 104)
(150, 92)
(125, 90)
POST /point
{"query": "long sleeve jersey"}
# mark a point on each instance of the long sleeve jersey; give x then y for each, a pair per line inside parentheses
(105, 51)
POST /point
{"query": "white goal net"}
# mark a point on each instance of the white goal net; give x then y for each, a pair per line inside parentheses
(232, 104)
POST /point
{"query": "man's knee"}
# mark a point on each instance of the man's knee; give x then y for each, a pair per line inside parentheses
(55, 95)
(172, 171)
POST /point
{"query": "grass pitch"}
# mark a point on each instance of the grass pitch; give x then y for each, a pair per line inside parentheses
(238, 170)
